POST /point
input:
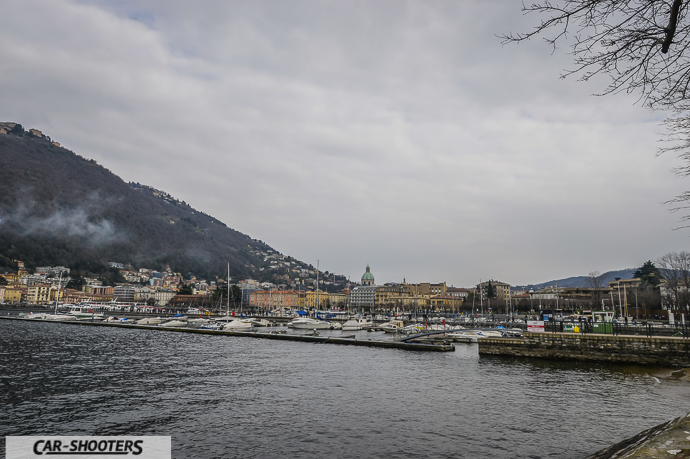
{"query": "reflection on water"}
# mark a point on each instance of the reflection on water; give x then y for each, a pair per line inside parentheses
(238, 397)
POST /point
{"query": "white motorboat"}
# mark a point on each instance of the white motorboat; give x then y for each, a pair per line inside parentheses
(238, 324)
(59, 317)
(174, 323)
(359, 323)
(151, 321)
(307, 323)
(394, 326)
(38, 316)
(352, 324)
(260, 322)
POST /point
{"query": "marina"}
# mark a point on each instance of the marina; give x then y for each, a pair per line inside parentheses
(206, 389)
(179, 326)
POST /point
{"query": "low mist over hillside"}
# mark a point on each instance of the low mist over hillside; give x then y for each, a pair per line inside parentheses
(58, 208)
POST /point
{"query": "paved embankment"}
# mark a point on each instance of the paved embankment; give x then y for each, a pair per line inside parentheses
(660, 351)
(670, 439)
(256, 334)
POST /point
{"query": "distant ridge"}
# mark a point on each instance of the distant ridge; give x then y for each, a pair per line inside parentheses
(581, 281)
(58, 208)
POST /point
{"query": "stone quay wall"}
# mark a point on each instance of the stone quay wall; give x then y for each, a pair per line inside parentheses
(661, 351)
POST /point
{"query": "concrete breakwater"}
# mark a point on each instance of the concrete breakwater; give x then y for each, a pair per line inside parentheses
(662, 351)
(264, 335)
(669, 439)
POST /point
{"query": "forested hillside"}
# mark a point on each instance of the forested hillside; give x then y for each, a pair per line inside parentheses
(58, 208)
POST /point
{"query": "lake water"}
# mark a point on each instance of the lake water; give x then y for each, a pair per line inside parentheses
(253, 398)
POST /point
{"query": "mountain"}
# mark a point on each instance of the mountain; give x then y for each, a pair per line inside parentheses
(58, 208)
(581, 281)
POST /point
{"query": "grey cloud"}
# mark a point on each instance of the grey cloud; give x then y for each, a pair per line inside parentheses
(390, 132)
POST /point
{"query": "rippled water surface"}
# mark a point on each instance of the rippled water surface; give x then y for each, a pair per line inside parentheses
(239, 397)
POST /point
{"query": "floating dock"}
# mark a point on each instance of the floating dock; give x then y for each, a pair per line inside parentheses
(347, 341)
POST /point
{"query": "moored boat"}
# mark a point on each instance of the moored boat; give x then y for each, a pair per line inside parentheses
(307, 323)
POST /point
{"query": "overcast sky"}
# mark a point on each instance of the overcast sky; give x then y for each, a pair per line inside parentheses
(399, 134)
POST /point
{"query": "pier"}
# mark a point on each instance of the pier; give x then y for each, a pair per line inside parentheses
(635, 349)
(347, 341)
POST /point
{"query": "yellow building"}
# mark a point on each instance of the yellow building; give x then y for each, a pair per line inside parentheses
(38, 294)
(426, 289)
(337, 300)
(389, 295)
(13, 294)
(54, 294)
(310, 300)
(445, 303)
(410, 303)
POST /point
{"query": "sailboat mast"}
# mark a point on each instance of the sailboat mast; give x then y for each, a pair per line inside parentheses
(317, 289)
(58, 292)
(227, 313)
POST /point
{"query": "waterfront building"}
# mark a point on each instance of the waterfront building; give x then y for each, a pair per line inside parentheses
(274, 299)
(310, 300)
(389, 296)
(501, 289)
(38, 294)
(458, 292)
(124, 293)
(143, 293)
(337, 300)
(75, 297)
(98, 290)
(14, 294)
(247, 289)
(363, 296)
(162, 297)
(415, 302)
(445, 303)
(2, 294)
(426, 289)
(56, 294)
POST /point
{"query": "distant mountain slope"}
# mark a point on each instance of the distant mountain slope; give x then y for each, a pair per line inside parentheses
(581, 281)
(57, 208)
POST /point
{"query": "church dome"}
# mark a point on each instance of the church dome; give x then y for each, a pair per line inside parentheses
(368, 277)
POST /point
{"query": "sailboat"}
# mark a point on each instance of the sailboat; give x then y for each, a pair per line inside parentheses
(308, 323)
(233, 323)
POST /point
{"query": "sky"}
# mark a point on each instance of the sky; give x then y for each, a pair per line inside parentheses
(401, 134)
